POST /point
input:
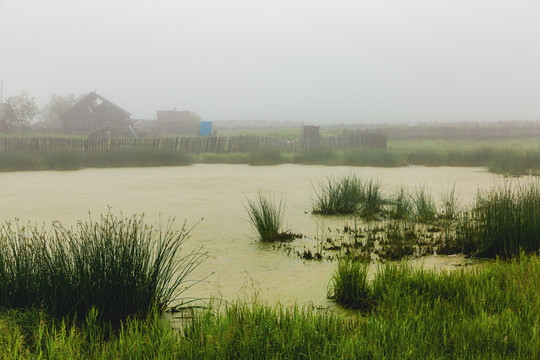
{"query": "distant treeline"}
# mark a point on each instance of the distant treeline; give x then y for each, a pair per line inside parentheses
(194, 144)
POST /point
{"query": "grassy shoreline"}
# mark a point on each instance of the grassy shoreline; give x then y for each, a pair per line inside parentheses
(488, 313)
(509, 162)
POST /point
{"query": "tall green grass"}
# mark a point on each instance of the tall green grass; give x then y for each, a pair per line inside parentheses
(489, 312)
(504, 221)
(425, 209)
(450, 204)
(119, 266)
(349, 194)
(371, 200)
(339, 195)
(135, 158)
(372, 157)
(349, 286)
(401, 205)
(266, 216)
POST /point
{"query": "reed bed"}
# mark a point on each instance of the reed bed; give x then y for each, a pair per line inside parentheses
(120, 267)
(135, 158)
(504, 221)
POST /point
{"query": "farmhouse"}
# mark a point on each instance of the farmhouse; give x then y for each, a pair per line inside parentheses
(92, 113)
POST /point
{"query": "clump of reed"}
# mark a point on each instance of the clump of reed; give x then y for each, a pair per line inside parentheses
(339, 195)
(349, 286)
(450, 204)
(349, 194)
(266, 216)
(504, 221)
(401, 205)
(120, 267)
(425, 209)
(371, 199)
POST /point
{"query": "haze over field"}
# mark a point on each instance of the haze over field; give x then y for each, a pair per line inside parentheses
(315, 61)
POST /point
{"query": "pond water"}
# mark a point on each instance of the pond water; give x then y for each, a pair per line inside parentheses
(241, 267)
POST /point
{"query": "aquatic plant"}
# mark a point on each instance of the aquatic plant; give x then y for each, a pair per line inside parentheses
(372, 200)
(121, 267)
(401, 205)
(339, 195)
(349, 286)
(504, 221)
(266, 216)
(425, 209)
(450, 205)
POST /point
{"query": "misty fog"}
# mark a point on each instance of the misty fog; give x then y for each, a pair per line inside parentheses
(314, 61)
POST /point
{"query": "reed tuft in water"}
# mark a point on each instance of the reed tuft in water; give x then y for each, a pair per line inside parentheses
(266, 216)
(339, 195)
(504, 221)
(120, 267)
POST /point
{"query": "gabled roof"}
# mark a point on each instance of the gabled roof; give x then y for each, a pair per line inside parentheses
(87, 104)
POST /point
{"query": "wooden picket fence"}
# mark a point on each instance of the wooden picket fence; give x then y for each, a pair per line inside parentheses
(188, 144)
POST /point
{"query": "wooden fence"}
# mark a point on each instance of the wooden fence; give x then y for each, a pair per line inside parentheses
(189, 144)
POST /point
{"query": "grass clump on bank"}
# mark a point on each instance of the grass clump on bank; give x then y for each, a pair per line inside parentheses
(266, 216)
(118, 266)
(503, 222)
(349, 286)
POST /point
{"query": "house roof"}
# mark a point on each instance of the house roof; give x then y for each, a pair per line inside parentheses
(87, 103)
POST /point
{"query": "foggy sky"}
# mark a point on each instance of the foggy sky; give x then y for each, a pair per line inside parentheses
(315, 61)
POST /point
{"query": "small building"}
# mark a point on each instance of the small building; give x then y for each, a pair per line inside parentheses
(310, 132)
(206, 128)
(94, 112)
(179, 122)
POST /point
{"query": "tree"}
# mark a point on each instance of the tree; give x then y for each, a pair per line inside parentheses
(56, 107)
(23, 110)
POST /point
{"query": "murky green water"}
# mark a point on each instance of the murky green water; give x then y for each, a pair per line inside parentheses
(241, 266)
